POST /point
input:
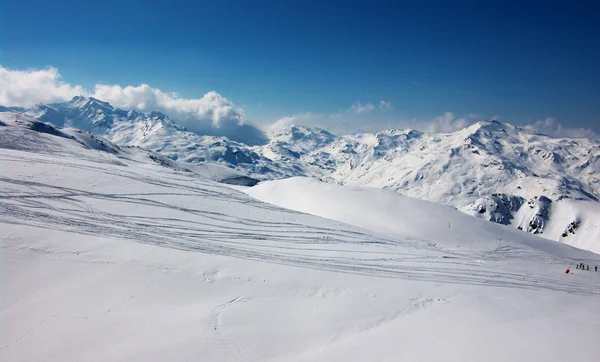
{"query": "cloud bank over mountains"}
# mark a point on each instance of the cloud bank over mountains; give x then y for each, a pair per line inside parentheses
(211, 114)
(446, 124)
(25, 88)
(215, 115)
(549, 126)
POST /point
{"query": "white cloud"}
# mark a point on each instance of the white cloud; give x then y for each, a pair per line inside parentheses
(292, 120)
(25, 88)
(445, 124)
(385, 105)
(349, 123)
(211, 114)
(359, 108)
(342, 122)
(549, 126)
(212, 107)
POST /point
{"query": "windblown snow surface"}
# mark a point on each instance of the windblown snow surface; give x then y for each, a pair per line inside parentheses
(110, 254)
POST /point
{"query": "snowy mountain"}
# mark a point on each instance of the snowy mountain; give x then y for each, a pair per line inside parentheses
(492, 170)
(153, 131)
(23, 133)
(454, 169)
(113, 253)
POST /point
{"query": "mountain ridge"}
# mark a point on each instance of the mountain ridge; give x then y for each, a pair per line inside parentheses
(490, 169)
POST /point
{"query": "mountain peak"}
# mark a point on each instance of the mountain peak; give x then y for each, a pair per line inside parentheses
(95, 101)
(294, 131)
(157, 115)
(493, 128)
(408, 132)
(81, 101)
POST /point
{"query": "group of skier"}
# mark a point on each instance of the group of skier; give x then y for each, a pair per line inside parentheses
(585, 267)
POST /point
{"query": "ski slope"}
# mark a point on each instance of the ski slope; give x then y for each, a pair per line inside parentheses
(109, 254)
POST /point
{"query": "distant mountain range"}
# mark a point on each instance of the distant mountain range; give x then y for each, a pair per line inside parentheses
(493, 170)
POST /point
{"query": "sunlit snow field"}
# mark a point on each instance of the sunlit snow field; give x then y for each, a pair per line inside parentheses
(110, 256)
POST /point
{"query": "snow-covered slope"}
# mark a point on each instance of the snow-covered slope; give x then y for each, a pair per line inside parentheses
(24, 133)
(491, 170)
(394, 215)
(108, 255)
(575, 222)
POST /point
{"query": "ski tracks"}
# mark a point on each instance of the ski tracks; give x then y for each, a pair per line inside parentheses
(251, 230)
(218, 311)
(231, 345)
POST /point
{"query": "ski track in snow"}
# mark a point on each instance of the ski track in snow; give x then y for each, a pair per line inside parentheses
(220, 309)
(225, 233)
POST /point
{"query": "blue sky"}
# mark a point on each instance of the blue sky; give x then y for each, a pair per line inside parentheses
(275, 59)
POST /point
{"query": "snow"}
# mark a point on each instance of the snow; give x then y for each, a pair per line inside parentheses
(394, 215)
(489, 165)
(114, 256)
(576, 222)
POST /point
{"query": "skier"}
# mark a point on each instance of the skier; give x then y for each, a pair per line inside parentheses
(588, 267)
(596, 268)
